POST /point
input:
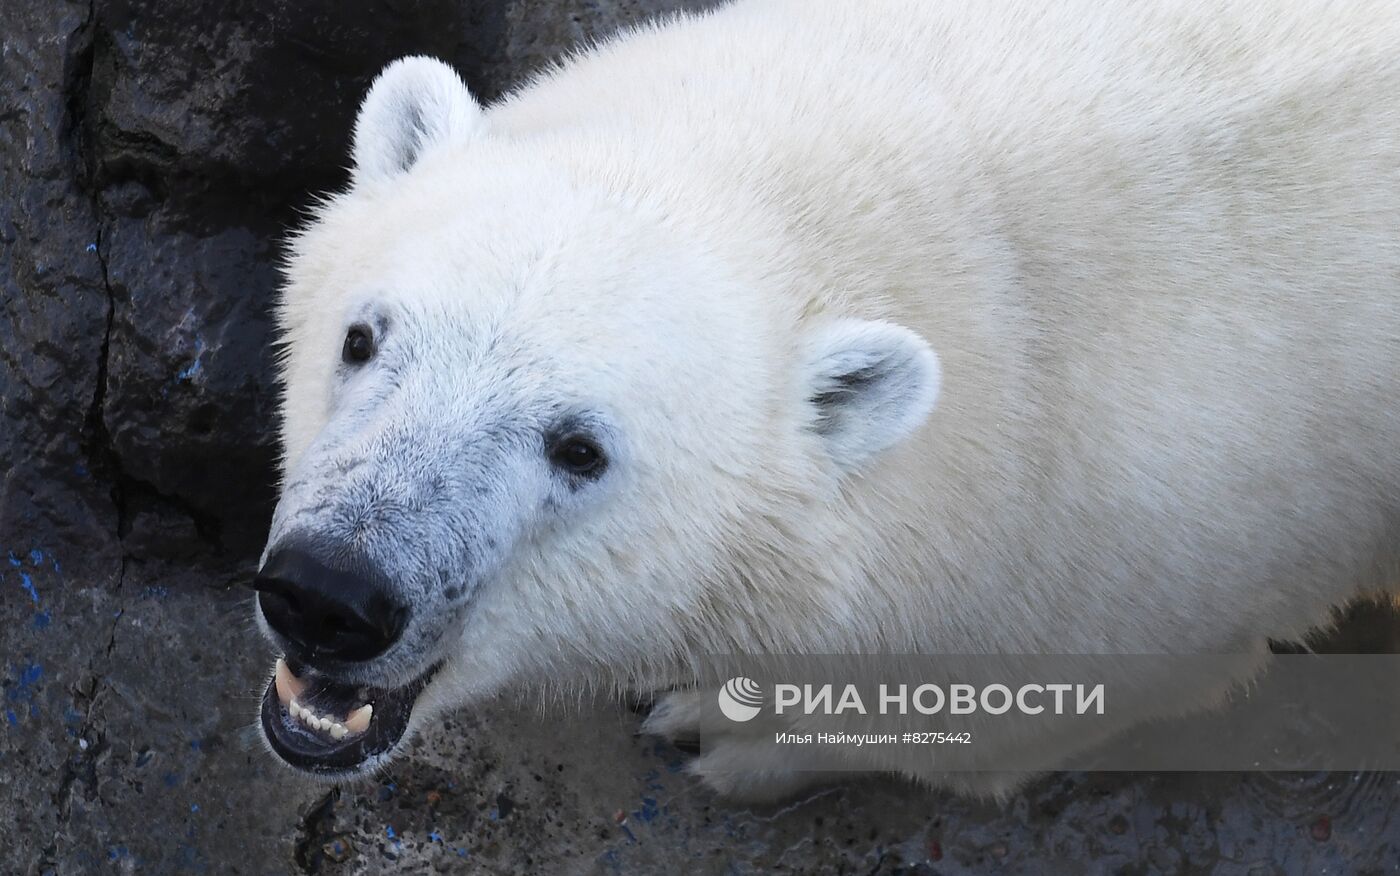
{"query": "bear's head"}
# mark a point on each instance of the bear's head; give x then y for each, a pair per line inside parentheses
(539, 431)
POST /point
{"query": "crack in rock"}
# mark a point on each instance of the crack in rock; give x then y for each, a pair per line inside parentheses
(91, 743)
(315, 832)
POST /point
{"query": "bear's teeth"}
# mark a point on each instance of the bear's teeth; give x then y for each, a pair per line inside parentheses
(289, 687)
(358, 720)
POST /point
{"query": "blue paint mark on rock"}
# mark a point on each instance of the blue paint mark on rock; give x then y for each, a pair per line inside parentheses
(21, 691)
(42, 619)
(192, 370)
(649, 810)
(92, 247)
(28, 584)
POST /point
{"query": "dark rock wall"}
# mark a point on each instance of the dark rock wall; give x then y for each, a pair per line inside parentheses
(153, 155)
(53, 301)
(160, 152)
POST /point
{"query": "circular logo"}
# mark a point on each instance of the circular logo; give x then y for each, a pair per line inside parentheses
(740, 699)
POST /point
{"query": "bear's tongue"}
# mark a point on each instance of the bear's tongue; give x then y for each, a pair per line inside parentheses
(325, 718)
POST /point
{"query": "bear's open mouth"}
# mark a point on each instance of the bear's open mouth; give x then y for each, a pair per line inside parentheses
(328, 728)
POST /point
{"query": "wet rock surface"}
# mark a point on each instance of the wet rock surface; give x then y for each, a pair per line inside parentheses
(151, 157)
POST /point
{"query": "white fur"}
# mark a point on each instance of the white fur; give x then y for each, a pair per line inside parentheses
(415, 106)
(873, 383)
(1155, 246)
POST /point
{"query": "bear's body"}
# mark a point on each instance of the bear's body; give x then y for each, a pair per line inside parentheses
(1155, 248)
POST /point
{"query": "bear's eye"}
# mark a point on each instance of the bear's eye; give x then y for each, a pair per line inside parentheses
(359, 345)
(578, 455)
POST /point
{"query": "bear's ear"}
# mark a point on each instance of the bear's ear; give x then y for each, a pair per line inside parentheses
(870, 385)
(415, 105)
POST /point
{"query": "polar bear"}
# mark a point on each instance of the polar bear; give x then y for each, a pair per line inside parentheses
(818, 327)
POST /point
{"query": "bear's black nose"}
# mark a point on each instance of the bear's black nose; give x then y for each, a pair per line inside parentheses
(348, 613)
